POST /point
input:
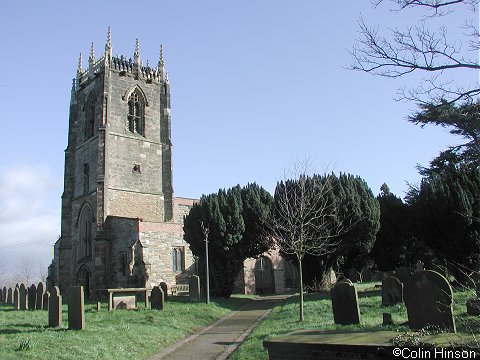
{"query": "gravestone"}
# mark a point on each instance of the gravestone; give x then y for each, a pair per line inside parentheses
(387, 319)
(55, 308)
(124, 302)
(345, 303)
(99, 306)
(164, 287)
(10, 296)
(32, 297)
(3, 293)
(402, 273)
(428, 298)
(40, 292)
(76, 308)
(392, 291)
(367, 275)
(16, 298)
(378, 276)
(23, 297)
(158, 298)
(194, 287)
(46, 300)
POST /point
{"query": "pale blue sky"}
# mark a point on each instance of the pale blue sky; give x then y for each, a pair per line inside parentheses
(254, 84)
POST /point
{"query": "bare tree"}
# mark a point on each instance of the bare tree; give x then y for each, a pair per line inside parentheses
(422, 48)
(25, 271)
(304, 218)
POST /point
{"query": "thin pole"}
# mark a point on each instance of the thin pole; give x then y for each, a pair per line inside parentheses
(205, 231)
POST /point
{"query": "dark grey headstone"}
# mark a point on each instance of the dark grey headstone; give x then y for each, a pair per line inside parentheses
(55, 308)
(392, 291)
(428, 298)
(164, 288)
(157, 298)
(387, 319)
(40, 292)
(378, 276)
(76, 308)
(16, 298)
(32, 297)
(194, 287)
(23, 297)
(46, 300)
(3, 295)
(345, 303)
(10, 296)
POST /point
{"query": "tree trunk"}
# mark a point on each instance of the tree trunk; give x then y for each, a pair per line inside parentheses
(302, 317)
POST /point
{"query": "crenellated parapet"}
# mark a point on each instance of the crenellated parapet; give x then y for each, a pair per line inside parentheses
(121, 64)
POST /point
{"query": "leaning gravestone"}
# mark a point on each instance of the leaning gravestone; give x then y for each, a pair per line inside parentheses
(10, 296)
(392, 291)
(164, 288)
(32, 297)
(345, 303)
(55, 308)
(76, 308)
(194, 287)
(16, 298)
(157, 298)
(46, 300)
(23, 297)
(40, 292)
(428, 298)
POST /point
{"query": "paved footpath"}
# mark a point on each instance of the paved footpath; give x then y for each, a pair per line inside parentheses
(222, 338)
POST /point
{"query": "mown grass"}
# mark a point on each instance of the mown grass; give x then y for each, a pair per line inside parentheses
(120, 334)
(318, 315)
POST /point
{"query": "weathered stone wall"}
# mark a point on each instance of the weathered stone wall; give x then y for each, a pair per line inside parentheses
(181, 208)
(158, 240)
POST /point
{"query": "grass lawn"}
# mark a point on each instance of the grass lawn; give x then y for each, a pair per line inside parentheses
(318, 315)
(120, 334)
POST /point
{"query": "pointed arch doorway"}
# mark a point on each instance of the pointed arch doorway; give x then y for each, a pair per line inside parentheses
(83, 279)
(264, 279)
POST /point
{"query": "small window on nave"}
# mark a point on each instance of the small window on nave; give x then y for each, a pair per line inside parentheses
(178, 259)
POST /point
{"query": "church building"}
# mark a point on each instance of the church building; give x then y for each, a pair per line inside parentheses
(121, 225)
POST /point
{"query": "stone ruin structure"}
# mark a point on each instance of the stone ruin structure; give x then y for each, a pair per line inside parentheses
(121, 225)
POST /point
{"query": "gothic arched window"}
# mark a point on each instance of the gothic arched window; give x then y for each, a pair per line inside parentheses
(136, 113)
(178, 259)
(85, 231)
(89, 124)
(86, 178)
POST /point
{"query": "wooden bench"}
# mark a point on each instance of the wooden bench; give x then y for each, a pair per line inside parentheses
(110, 292)
(180, 290)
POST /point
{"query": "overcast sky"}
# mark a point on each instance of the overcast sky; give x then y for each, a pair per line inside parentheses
(254, 85)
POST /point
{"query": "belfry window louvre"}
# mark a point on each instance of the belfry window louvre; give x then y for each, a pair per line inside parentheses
(136, 113)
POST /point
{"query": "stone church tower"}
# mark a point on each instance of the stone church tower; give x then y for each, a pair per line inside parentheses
(121, 225)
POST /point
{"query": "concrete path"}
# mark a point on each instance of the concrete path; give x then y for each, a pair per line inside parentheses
(223, 337)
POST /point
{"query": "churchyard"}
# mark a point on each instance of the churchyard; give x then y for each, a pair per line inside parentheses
(118, 334)
(139, 333)
(319, 316)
